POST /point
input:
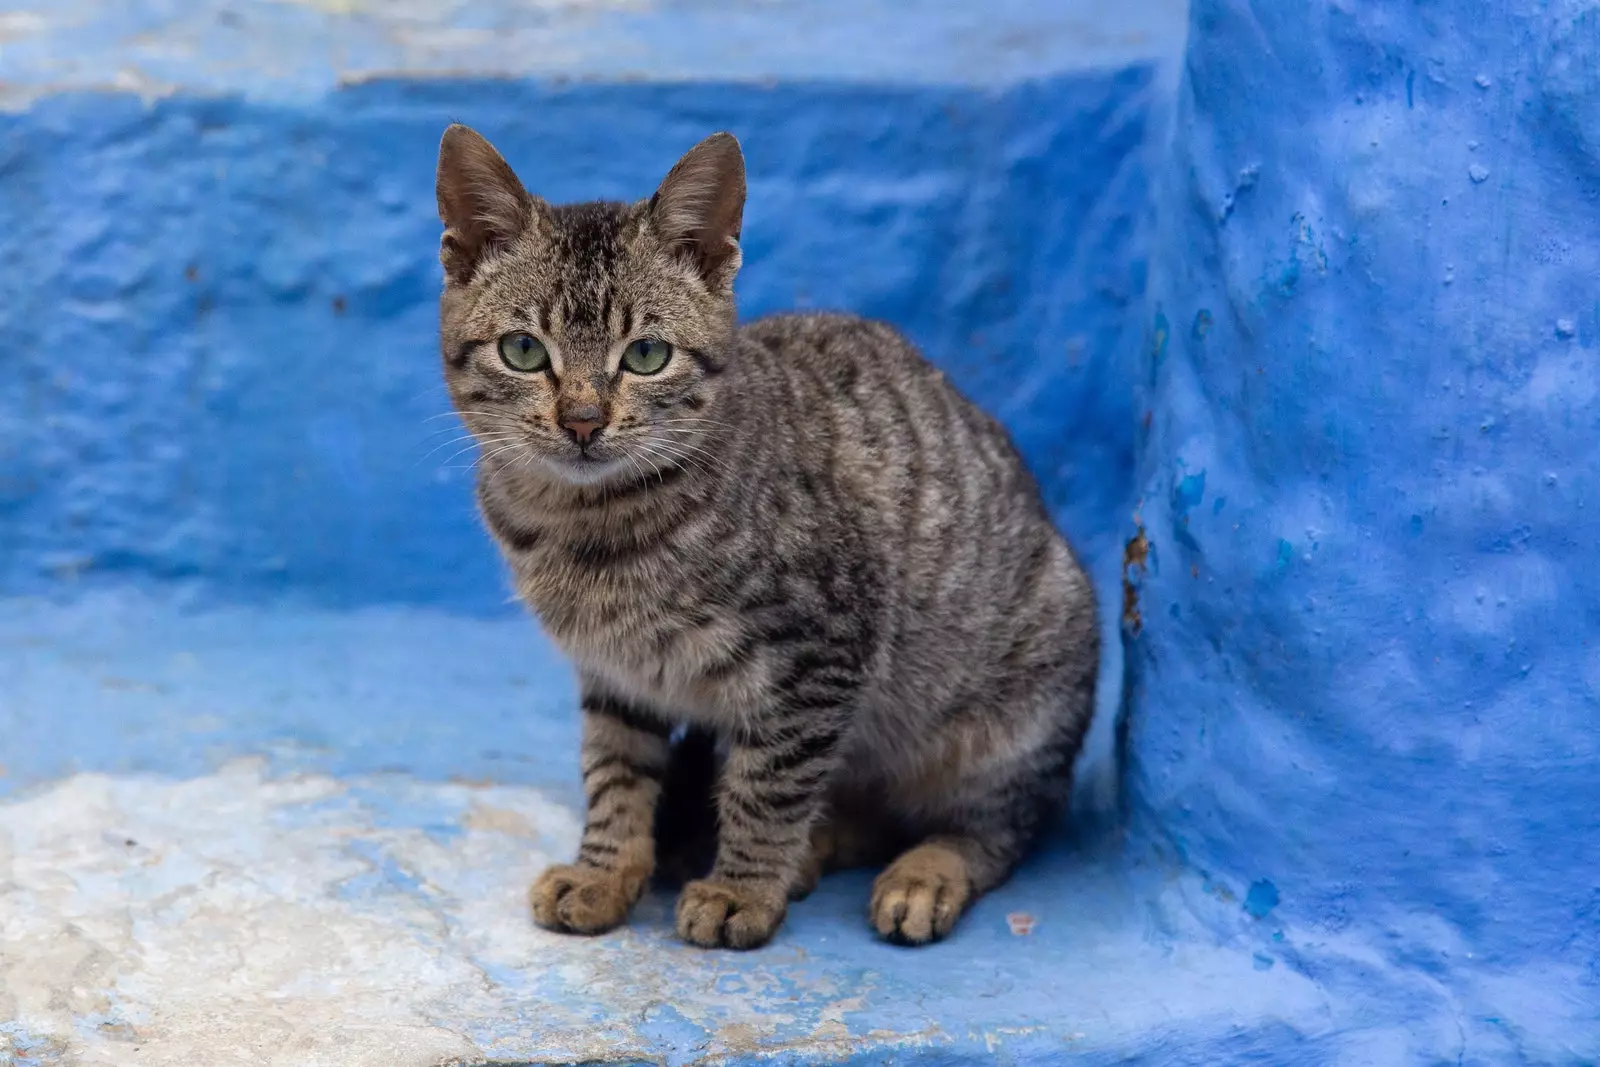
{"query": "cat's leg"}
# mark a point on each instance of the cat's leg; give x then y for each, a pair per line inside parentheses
(843, 839)
(773, 789)
(991, 820)
(996, 790)
(624, 757)
(921, 895)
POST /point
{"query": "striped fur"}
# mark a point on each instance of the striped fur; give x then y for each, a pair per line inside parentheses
(797, 539)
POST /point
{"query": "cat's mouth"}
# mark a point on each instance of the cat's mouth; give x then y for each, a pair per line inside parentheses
(587, 467)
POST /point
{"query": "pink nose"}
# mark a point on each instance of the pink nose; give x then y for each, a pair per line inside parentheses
(582, 430)
(583, 424)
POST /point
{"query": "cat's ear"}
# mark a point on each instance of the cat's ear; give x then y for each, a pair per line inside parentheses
(481, 203)
(700, 207)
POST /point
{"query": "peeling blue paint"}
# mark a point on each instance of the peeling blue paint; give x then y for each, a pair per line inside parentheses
(1261, 899)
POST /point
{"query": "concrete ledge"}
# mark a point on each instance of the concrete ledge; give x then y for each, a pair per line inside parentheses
(297, 50)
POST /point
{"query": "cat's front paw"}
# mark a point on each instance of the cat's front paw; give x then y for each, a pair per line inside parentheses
(716, 914)
(920, 897)
(583, 900)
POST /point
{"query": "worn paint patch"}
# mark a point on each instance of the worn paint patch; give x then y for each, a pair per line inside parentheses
(208, 920)
(1261, 899)
(397, 777)
(239, 918)
(1135, 556)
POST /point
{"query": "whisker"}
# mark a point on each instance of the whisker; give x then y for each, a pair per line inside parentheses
(661, 448)
(529, 460)
(693, 446)
(502, 449)
(686, 439)
(439, 430)
(655, 466)
(501, 415)
(460, 452)
(707, 454)
(694, 422)
(482, 456)
(485, 439)
(644, 472)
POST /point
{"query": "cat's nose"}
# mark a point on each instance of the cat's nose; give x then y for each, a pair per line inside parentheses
(583, 424)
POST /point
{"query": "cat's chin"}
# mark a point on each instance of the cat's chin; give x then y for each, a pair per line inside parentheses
(586, 472)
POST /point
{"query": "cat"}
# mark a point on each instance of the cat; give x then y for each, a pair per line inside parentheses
(794, 538)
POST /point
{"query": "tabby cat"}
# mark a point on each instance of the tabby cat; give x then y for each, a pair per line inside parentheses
(794, 540)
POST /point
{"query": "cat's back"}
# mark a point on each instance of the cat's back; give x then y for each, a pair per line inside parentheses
(857, 395)
(980, 589)
(943, 497)
(847, 356)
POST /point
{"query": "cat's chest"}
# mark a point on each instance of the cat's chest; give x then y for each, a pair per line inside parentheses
(635, 626)
(587, 603)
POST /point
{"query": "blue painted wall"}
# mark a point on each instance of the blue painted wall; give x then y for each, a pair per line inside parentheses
(1366, 684)
(220, 313)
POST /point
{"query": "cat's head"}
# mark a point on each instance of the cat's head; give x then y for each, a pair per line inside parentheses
(584, 342)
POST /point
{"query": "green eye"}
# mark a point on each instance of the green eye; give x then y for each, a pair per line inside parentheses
(524, 352)
(646, 356)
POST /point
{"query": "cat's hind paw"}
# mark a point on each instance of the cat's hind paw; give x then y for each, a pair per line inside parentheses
(920, 897)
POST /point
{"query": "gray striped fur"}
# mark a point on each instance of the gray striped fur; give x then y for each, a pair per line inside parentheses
(797, 538)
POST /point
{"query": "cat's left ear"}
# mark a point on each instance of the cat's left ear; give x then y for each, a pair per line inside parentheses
(699, 208)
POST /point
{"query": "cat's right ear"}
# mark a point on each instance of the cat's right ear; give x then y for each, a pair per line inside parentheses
(481, 203)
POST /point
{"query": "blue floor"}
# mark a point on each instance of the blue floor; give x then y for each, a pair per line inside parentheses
(401, 727)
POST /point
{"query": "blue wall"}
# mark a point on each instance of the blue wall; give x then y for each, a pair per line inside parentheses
(1366, 684)
(220, 314)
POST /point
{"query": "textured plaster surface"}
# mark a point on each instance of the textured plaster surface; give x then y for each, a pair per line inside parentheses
(1367, 686)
